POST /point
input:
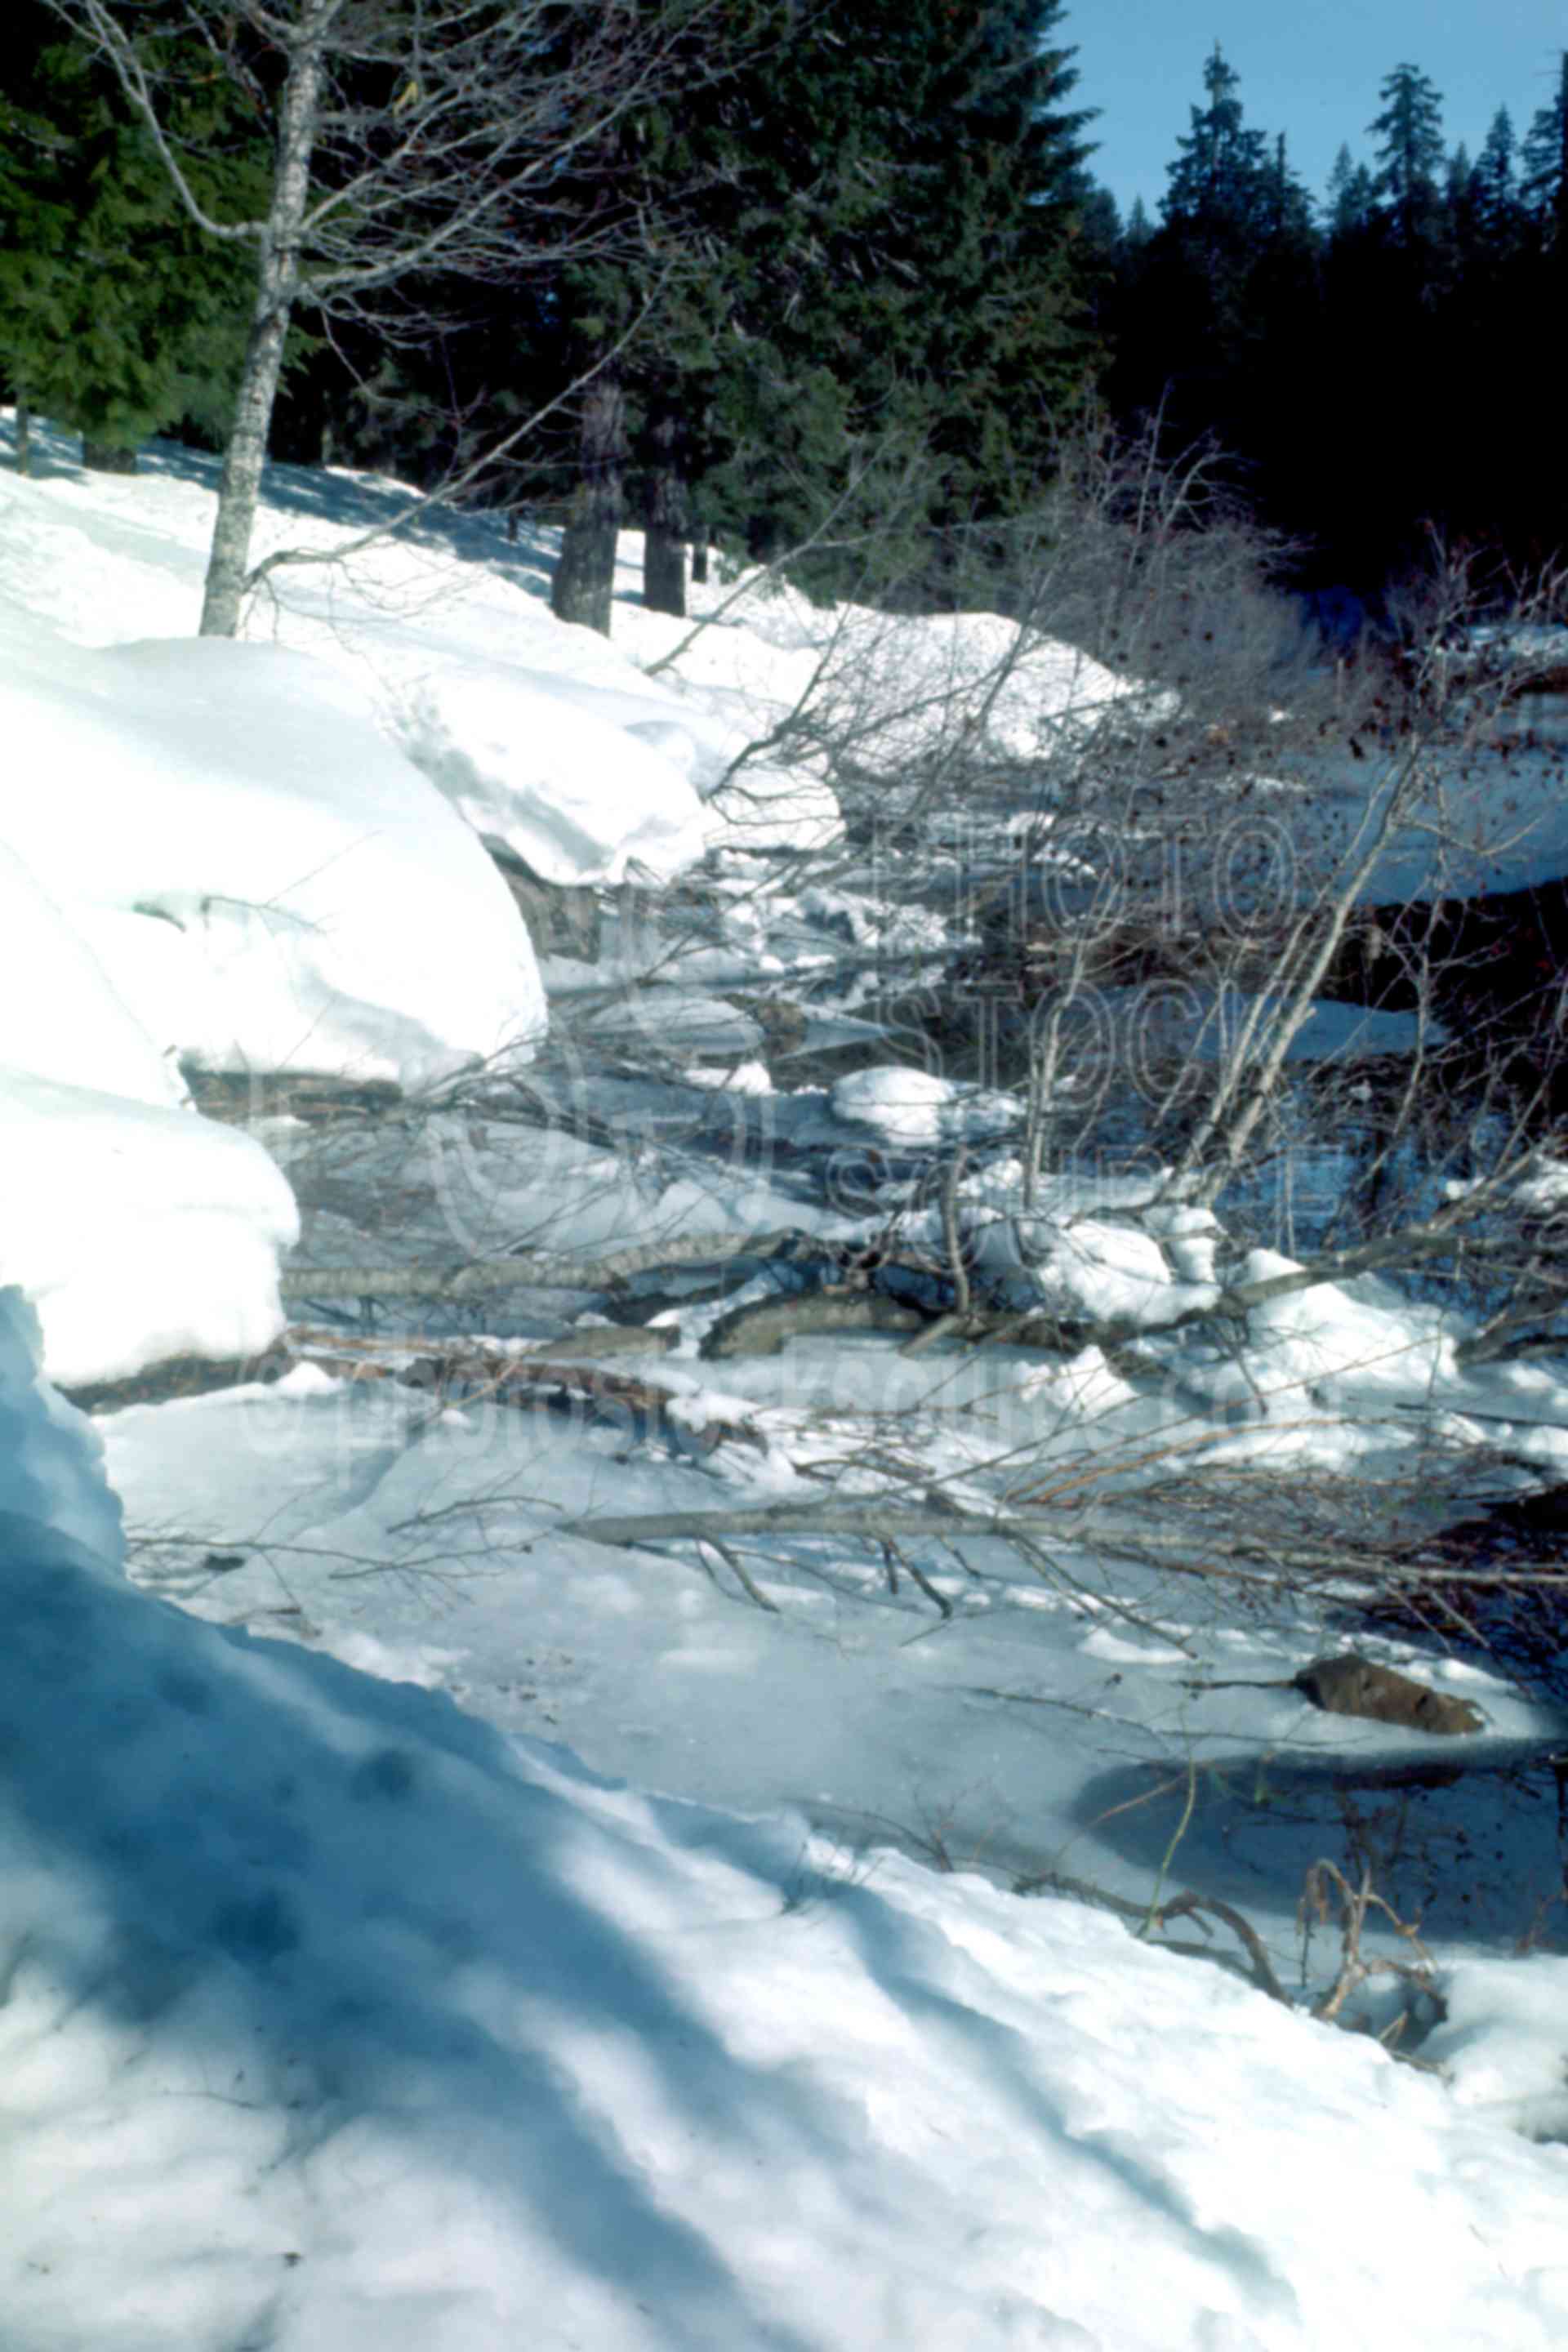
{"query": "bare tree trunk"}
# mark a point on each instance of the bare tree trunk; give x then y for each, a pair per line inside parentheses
(584, 580)
(764, 537)
(278, 279)
(107, 457)
(448, 123)
(664, 546)
(700, 556)
(24, 434)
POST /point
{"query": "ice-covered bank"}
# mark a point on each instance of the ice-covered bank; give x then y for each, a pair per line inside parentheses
(331, 2017)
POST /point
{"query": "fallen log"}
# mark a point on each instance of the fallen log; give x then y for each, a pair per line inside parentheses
(538, 1269)
(762, 1329)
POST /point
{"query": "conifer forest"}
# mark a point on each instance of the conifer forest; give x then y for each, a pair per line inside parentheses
(835, 283)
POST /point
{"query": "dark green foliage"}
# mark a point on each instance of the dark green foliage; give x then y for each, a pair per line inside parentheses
(116, 316)
(1544, 170)
(1215, 194)
(1494, 183)
(1411, 155)
(1213, 310)
(1350, 198)
(865, 284)
(1378, 377)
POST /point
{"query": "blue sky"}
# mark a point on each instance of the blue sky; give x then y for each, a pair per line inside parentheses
(1314, 74)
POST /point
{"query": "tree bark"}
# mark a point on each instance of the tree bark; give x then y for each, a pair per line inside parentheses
(764, 537)
(24, 435)
(762, 1330)
(278, 279)
(584, 587)
(664, 545)
(700, 556)
(105, 458)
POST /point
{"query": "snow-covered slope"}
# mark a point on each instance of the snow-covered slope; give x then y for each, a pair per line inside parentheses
(269, 855)
(334, 2015)
(333, 2018)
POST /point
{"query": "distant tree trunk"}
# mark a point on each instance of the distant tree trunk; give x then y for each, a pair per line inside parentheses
(104, 457)
(700, 556)
(24, 435)
(764, 537)
(664, 544)
(585, 582)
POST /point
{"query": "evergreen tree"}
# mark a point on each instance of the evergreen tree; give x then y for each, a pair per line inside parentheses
(1457, 226)
(930, 191)
(878, 278)
(116, 317)
(1411, 155)
(1216, 328)
(1349, 199)
(1545, 168)
(1224, 196)
(1219, 180)
(1286, 208)
(1494, 184)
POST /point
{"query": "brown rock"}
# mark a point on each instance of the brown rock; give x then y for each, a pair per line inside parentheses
(1348, 1684)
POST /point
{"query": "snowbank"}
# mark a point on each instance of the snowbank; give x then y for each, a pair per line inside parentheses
(591, 779)
(59, 1017)
(891, 687)
(333, 2018)
(137, 1233)
(553, 769)
(301, 898)
(137, 1229)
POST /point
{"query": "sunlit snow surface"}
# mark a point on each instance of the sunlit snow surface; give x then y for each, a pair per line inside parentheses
(333, 2017)
(341, 2004)
(139, 1230)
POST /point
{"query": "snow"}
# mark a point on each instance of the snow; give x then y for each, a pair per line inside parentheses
(917, 1107)
(899, 684)
(301, 898)
(333, 2016)
(1504, 2026)
(431, 1923)
(139, 1230)
(520, 762)
(139, 1234)
(79, 1028)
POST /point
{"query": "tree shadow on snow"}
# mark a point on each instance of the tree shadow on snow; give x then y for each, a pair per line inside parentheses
(352, 1901)
(894, 1949)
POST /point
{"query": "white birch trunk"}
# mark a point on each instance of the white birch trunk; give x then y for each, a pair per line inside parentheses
(278, 280)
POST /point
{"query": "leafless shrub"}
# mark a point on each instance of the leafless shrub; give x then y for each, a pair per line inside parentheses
(1328, 1894)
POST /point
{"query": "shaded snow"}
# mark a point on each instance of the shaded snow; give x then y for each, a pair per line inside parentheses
(334, 2018)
